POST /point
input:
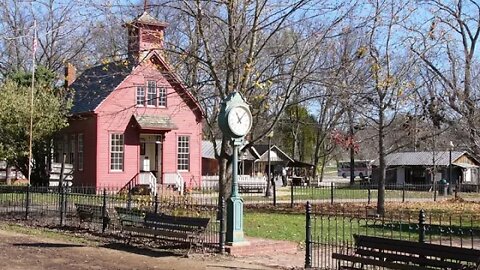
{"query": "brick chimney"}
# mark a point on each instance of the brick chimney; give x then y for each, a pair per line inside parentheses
(145, 34)
(70, 74)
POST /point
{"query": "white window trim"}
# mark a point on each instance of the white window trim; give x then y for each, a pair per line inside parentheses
(158, 97)
(189, 153)
(136, 96)
(155, 99)
(110, 152)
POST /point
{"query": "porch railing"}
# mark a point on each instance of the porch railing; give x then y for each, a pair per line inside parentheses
(174, 179)
(211, 181)
(147, 178)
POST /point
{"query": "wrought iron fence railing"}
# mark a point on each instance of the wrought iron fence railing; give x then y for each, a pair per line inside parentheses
(332, 231)
(55, 207)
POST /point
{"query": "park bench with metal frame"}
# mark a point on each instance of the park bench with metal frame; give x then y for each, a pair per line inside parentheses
(401, 254)
(93, 213)
(175, 229)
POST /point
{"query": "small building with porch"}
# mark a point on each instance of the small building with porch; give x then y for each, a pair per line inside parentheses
(133, 121)
(415, 167)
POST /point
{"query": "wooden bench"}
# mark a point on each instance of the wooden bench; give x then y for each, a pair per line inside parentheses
(401, 254)
(176, 229)
(251, 188)
(93, 213)
(130, 216)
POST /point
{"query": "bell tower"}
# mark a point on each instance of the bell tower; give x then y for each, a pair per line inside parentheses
(145, 33)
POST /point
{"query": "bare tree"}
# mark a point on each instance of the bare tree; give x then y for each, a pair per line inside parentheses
(262, 49)
(447, 44)
(391, 71)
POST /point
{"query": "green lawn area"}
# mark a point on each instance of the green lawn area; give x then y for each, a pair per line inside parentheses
(275, 226)
(291, 227)
(347, 193)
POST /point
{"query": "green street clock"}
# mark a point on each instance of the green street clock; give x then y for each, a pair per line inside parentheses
(235, 118)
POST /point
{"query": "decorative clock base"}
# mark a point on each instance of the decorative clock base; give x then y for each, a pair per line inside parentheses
(235, 220)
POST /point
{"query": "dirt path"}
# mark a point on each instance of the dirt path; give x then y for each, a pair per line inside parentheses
(20, 251)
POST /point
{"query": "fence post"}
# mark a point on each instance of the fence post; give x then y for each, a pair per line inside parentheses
(291, 194)
(308, 235)
(104, 212)
(27, 202)
(331, 192)
(62, 205)
(403, 192)
(222, 225)
(369, 193)
(421, 226)
(156, 203)
(129, 198)
(274, 194)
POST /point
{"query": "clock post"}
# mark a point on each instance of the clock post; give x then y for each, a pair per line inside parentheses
(235, 121)
(235, 202)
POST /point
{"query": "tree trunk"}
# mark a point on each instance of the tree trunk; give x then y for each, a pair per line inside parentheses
(352, 149)
(7, 174)
(382, 166)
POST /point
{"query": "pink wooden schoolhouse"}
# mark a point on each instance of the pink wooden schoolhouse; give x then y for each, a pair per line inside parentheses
(133, 121)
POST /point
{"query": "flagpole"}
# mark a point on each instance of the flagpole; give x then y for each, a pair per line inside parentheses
(31, 102)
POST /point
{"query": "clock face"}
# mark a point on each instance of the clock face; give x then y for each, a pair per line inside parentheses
(239, 120)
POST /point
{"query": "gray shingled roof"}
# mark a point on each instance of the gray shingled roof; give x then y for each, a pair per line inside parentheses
(442, 158)
(96, 83)
(208, 151)
(146, 18)
(155, 122)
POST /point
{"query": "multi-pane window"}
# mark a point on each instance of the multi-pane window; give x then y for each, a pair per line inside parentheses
(80, 152)
(116, 152)
(152, 93)
(72, 149)
(162, 97)
(140, 95)
(183, 153)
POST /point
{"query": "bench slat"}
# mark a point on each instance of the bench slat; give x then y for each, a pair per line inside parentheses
(367, 261)
(426, 249)
(177, 220)
(153, 232)
(408, 258)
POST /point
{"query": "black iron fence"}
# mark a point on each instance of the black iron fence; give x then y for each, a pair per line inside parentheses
(341, 193)
(54, 207)
(333, 231)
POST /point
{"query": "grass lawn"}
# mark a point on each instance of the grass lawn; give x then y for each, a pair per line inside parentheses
(458, 218)
(291, 227)
(276, 226)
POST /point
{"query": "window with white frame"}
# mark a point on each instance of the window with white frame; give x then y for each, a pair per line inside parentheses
(140, 95)
(183, 153)
(80, 152)
(162, 97)
(116, 152)
(73, 145)
(151, 93)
